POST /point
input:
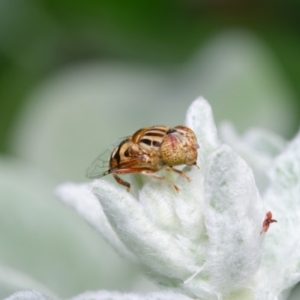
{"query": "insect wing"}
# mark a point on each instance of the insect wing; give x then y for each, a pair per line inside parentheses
(100, 166)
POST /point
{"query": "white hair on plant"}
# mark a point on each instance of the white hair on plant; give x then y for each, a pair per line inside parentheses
(210, 240)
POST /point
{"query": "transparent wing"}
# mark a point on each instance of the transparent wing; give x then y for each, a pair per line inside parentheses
(100, 166)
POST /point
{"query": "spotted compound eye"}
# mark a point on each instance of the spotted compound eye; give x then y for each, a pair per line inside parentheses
(172, 151)
(179, 146)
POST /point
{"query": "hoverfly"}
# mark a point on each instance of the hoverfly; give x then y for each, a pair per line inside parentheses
(149, 150)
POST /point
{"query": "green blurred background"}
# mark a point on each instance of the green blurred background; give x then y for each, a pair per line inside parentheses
(39, 37)
(77, 75)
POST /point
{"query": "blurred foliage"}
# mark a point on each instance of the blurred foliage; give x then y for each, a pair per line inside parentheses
(39, 37)
(73, 40)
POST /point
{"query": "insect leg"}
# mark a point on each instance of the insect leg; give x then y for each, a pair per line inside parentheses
(169, 168)
(127, 170)
(123, 182)
(195, 164)
(149, 173)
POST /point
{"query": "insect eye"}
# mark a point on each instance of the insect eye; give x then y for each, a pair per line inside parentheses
(171, 131)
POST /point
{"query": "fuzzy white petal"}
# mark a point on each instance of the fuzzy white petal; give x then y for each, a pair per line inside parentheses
(284, 192)
(200, 119)
(258, 147)
(259, 141)
(175, 211)
(282, 242)
(104, 295)
(179, 213)
(155, 248)
(189, 204)
(80, 197)
(28, 295)
(233, 218)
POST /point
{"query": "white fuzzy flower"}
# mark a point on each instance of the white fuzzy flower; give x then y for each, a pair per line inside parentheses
(207, 241)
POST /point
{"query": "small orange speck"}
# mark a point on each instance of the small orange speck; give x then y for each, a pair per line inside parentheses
(267, 221)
